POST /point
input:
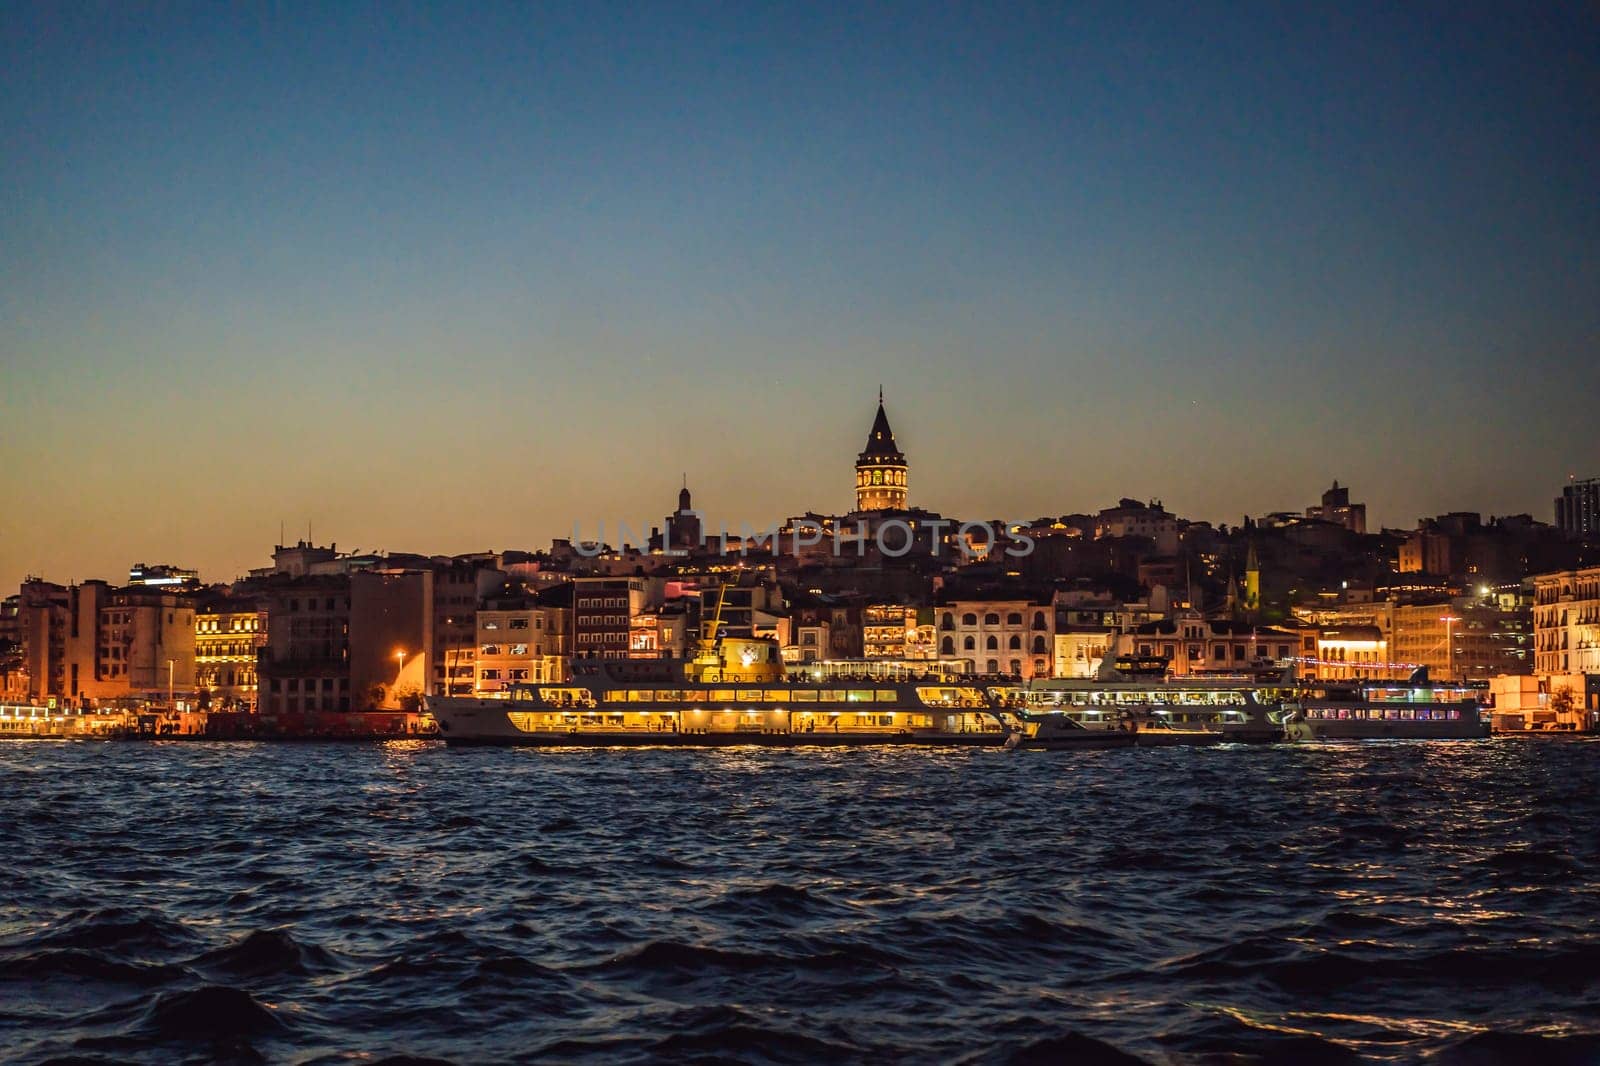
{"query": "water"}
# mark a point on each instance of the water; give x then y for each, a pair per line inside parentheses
(319, 903)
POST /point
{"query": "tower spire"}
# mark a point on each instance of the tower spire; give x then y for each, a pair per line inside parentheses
(881, 467)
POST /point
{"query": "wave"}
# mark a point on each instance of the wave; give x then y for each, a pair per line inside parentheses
(209, 1012)
(266, 953)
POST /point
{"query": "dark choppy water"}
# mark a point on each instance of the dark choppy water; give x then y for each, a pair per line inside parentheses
(320, 903)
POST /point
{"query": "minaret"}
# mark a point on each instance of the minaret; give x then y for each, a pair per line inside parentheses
(1252, 581)
(880, 468)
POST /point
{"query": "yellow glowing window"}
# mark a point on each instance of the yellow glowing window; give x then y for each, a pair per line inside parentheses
(861, 695)
(776, 695)
(833, 695)
(722, 695)
(616, 697)
(802, 695)
(886, 695)
(749, 695)
(695, 695)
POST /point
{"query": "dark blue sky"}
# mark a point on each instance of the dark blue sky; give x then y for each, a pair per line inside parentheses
(448, 277)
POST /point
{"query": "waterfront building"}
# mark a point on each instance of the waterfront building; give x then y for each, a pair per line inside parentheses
(42, 626)
(392, 653)
(1566, 623)
(1578, 509)
(1080, 649)
(881, 469)
(13, 681)
(522, 638)
(603, 609)
(1337, 509)
(134, 643)
(1354, 653)
(1010, 635)
(897, 631)
(305, 661)
(1463, 639)
(459, 583)
(229, 632)
(1194, 644)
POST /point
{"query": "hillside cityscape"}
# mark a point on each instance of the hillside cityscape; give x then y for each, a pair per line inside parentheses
(1510, 601)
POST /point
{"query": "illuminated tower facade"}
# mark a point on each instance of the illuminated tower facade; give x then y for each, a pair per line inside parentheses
(880, 468)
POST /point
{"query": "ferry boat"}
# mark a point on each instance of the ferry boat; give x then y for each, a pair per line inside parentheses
(1390, 710)
(1132, 694)
(737, 690)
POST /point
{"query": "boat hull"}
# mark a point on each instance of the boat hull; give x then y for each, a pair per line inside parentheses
(597, 738)
(1461, 730)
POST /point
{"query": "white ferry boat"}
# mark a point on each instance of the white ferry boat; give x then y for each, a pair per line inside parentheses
(1134, 695)
(1390, 710)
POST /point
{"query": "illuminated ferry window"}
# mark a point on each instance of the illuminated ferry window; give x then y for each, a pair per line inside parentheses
(722, 695)
(887, 695)
(749, 695)
(695, 695)
(833, 695)
(776, 695)
(802, 695)
(616, 697)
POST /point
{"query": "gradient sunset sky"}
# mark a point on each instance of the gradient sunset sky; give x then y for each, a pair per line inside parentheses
(447, 278)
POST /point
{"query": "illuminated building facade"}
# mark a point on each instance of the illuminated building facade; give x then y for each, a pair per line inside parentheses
(894, 631)
(1193, 644)
(1566, 622)
(1352, 653)
(1460, 640)
(1007, 636)
(520, 640)
(228, 634)
(881, 471)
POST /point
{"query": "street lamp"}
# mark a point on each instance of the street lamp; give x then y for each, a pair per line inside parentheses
(401, 655)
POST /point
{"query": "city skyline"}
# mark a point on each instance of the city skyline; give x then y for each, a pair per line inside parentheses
(629, 528)
(443, 285)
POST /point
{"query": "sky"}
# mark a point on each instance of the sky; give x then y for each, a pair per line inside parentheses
(450, 278)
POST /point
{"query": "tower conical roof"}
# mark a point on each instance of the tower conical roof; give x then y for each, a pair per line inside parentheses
(880, 440)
